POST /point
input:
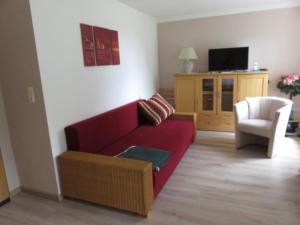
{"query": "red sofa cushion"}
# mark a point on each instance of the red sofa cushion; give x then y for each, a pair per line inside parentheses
(94, 134)
(172, 135)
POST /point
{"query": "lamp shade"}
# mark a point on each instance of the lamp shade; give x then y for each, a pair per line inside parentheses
(188, 53)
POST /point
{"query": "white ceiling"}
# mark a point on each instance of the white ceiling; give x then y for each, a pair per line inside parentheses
(171, 10)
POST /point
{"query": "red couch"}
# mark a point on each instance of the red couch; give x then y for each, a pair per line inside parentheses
(114, 131)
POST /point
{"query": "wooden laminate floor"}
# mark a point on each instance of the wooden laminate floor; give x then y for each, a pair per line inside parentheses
(213, 185)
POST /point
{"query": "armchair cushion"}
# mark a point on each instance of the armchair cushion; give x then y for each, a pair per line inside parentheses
(256, 126)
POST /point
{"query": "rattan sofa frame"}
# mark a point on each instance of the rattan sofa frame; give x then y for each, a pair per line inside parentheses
(116, 182)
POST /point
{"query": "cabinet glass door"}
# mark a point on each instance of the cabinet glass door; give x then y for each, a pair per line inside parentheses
(207, 95)
(226, 94)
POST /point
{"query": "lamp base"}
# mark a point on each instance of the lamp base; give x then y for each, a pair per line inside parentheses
(188, 66)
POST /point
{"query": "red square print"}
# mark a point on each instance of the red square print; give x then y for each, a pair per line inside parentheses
(88, 45)
(115, 48)
(102, 40)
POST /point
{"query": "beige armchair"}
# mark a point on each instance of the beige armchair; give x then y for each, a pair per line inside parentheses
(262, 120)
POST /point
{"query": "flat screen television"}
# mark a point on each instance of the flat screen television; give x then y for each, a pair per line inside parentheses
(228, 59)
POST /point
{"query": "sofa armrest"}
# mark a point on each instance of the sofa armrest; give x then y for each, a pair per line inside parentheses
(116, 182)
(185, 116)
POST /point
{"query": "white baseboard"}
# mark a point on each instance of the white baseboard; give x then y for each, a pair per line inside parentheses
(49, 196)
(15, 191)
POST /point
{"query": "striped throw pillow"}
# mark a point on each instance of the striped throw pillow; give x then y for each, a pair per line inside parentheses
(150, 113)
(165, 106)
(156, 109)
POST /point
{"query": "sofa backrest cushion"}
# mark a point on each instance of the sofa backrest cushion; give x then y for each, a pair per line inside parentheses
(93, 134)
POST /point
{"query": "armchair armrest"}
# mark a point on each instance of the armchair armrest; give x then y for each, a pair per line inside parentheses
(279, 126)
(281, 119)
(121, 183)
(241, 111)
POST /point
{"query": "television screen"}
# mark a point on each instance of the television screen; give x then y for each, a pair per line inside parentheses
(227, 59)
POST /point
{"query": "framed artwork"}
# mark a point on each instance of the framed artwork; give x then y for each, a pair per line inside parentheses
(100, 46)
(115, 48)
(88, 46)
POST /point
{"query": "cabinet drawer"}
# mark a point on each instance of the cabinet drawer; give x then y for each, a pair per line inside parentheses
(215, 123)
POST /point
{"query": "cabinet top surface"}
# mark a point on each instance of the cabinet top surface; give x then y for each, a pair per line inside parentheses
(222, 73)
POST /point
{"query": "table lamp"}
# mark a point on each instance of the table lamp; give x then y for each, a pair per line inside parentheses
(188, 54)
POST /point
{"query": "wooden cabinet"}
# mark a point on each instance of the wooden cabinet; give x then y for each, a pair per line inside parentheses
(216, 96)
(4, 193)
(252, 85)
(185, 92)
(213, 95)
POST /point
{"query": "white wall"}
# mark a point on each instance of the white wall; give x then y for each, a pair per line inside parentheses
(273, 37)
(73, 92)
(7, 151)
(27, 122)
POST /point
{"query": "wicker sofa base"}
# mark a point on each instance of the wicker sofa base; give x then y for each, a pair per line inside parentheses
(116, 182)
(119, 183)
